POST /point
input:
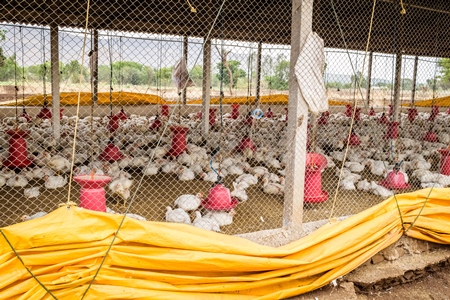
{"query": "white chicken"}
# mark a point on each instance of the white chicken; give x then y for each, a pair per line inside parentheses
(31, 192)
(381, 190)
(185, 174)
(248, 178)
(189, 202)
(272, 188)
(222, 218)
(205, 223)
(17, 181)
(54, 182)
(59, 164)
(177, 216)
(34, 216)
(239, 191)
(121, 186)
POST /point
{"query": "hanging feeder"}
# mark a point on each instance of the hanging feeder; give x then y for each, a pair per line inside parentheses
(245, 143)
(348, 110)
(434, 113)
(17, 152)
(357, 114)
(25, 115)
(391, 110)
(165, 110)
(249, 119)
(61, 113)
(315, 163)
(287, 111)
(111, 152)
(156, 124)
(395, 180)
(431, 136)
(235, 110)
(371, 112)
(199, 114)
(212, 116)
(122, 115)
(44, 113)
(445, 161)
(323, 120)
(448, 111)
(412, 114)
(353, 139)
(269, 113)
(219, 198)
(92, 193)
(392, 132)
(178, 140)
(113, 124)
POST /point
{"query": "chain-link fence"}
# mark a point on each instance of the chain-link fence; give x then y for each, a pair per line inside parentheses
(179, 137)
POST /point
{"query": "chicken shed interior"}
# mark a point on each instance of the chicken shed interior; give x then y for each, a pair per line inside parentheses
(176, 107)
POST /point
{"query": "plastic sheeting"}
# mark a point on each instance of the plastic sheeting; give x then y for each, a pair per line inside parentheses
(442, 101)
(152, 260)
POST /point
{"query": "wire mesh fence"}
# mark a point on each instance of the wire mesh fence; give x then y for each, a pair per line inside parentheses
(167, 135)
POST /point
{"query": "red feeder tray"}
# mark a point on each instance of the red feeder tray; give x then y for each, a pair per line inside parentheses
(395, 180)
(445, 161)
(113, 124)
(44, 113)
(348, 110)
(92, 193)
(245, 143)
(391, 110)
(212, 116)
(111, 153)
(371, 111)
(165, 110)
(323, 120)
(25, 115)
(431, 136)
(392, 132)
(219, 198)
(383, 119)
(122, 115)
(235, 110)
(315, 163)
(17, 152)
(412, 114)
(448, 111)
(156, 124)
(269, 113)
(357, 114)
(354, 140)
(178, 140)
(249, 119)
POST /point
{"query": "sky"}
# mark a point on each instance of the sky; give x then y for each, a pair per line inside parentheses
(164, 51)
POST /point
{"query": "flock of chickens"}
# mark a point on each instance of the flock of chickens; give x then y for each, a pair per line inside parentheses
(146, 149)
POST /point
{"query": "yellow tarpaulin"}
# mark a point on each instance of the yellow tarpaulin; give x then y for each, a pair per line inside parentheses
(128, 98)
(156, 260)
(443, 101)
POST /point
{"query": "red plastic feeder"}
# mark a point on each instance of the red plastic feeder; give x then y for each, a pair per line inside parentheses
(212, 116)
(165, 110)
(371, 111)
(156, 124)
(357, 114)
(431, 136)
(383, 119)
(44, 113)
(315, 163)
(178, 140)
(323, 120)
(18, 154)
(395, 180)
(448, 111)
(92, 193)
(391, 110)
(235, 110)
(392, 132)
(245, 143)
(445, 161)
(219, 198)
(25, 115)
(412, 114)
(269, 113)
(113, 123)
(249, 119)
(353, 139)
(122, 115)
(61, 113)
(111, 153)
(348, 110)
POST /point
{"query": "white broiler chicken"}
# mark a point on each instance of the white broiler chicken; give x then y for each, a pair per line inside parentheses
(17, 181)
(177, 216)
(121, 186)
(185, 174)
(54, 182)
(272, 188)
(354, 167)
(364, 185)
(189, 202)
(205, 223)
(248, 178)
(31, 192)
(239, 191)
(59, 164)
(34, 216)
(381, 190)
(221, 217)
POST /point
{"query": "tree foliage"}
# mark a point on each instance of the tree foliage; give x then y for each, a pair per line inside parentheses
(280, 78)
(235, 71)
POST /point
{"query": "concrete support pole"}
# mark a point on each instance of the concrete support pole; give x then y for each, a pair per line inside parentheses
(54, 58)
(185, 56)
(206, 86)
(414, 83)
(397, 84)
(258, 74)
(94, 59)
(369, 78)
(297, 120)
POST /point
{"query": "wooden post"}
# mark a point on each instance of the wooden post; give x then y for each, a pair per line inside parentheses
(297, 121)
(413, 91)
(369, 78)
(206, 86)
(54, 58)
(94, 66)
(185, 56)
(258, 74)
(398, 75)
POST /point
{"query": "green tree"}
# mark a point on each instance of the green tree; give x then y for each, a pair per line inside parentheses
(71, 72)
(2, 56)
(8, 69)
(358, 79)
(280, 79)
(235, 71)
(36, 72)
(444, 79)
(407, 84)
(164, 76)
(196, 75)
